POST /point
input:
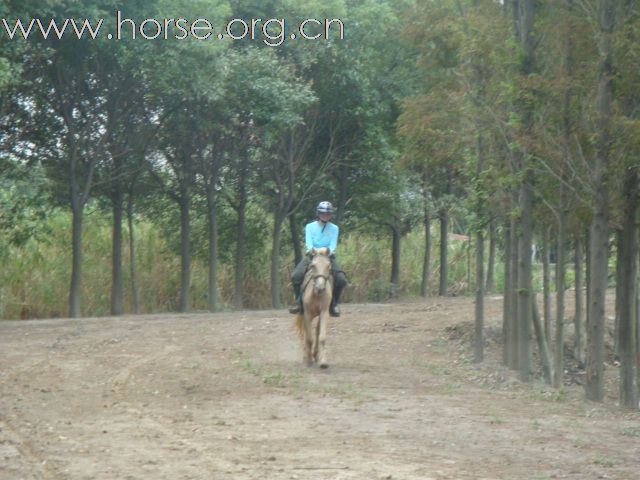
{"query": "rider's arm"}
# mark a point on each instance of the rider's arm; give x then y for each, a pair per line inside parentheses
(334, 239)
(308, 237)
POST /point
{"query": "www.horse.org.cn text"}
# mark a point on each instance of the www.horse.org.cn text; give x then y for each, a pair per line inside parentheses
(272, 31)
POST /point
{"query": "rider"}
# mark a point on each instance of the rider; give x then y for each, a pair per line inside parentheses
(318, 234)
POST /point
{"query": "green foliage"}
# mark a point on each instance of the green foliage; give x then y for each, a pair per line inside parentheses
(36, 274)
(23, 204)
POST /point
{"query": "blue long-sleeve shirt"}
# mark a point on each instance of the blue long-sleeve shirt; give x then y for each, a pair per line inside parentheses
(318, 235)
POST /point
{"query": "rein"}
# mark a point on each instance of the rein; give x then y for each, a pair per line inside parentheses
(308, 279)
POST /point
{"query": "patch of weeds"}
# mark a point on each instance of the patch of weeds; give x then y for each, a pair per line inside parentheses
(332, 389)
(381, 291)
(495, 420)
(450, 389)
(277, 379)
(443, 342)
(558, 395)
(630, 432)
(347, 390)
(191, 365)
(250, 367)
(274, 379)
(440, 350)
(546, 393)
(590, 413)
(607, 462)
(431, 368)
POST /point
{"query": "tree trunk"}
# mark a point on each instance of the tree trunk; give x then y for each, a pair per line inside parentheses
(598, 269)
(599, 244)
(558, 378)
(628, 257)
(295, 238)
(543, 346)
(525, 286)
(116, 253)
(395, 258)
(577, 319)
(444, 244)
(132, 256)
(546, 282)
(278, 221)
(76, 265)
(212, 210)
(524, 26)
(426, 259)
(492, 255)
(185, 250)
(561, 249)
(507, 296)
(637, 327)
(619, 285)
(469, 249)
(478, 351)
(619, 232)
(513, 327)
(343, 192)
(238, 297)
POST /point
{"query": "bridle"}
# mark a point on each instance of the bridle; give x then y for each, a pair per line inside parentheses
(315, 277)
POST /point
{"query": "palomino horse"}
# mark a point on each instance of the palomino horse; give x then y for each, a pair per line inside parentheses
(317, 291)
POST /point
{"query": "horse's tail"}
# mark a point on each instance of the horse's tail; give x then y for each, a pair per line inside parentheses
(299, 324)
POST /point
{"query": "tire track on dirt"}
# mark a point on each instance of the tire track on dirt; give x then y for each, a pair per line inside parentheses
(170, 440)
(122, 377)
(14, 444)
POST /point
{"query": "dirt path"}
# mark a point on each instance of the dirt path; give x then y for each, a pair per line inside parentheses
(226, 396)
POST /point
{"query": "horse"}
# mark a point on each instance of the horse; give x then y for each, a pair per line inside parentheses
(317, 292)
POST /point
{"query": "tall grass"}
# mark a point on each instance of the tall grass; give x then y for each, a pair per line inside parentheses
(34, 280)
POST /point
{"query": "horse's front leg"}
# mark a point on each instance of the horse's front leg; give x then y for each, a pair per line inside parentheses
(308, 338)
(316, 335)
(322, 338)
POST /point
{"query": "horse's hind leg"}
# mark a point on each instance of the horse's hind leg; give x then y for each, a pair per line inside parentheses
(316, 336)
(322, 338)
(308, 339)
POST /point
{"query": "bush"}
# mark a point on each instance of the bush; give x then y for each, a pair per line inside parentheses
(35, 279)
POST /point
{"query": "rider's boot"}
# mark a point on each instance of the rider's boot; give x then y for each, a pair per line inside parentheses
(334, 310)
(297, 307)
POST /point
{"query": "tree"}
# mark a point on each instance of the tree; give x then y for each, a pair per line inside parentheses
(64, 97)
(262, 99)
(128, 135)
(180, 95)
(524, 30)
(625, 149)
(599, 229)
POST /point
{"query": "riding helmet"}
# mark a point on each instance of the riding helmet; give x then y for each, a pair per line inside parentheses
(325, 207)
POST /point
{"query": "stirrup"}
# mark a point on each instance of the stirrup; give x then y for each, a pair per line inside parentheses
(295, 309)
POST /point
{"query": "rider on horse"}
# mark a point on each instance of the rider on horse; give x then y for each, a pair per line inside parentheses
(318, 234)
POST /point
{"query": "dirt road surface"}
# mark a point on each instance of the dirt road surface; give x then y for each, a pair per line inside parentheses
(226, 396)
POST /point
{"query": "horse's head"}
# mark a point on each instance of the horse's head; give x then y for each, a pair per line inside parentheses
(320, 269)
